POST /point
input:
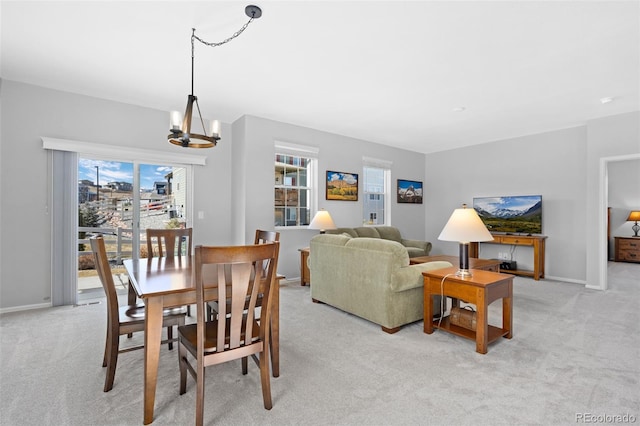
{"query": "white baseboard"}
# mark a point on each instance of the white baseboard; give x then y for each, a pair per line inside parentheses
(25, 307)
(567, 280)
(593, 287)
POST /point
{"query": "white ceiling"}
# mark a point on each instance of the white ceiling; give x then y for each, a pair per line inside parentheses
(390, 72)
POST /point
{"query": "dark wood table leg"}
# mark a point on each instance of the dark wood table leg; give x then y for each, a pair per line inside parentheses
(428, 308)
(152, 339)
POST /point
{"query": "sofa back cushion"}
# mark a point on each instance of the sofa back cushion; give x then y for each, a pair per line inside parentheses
(335, 240)
(396, 251)
(367, 231)
(350, 231)
(389, 233)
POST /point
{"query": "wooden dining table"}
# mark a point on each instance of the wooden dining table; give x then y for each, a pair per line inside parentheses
(165, 282)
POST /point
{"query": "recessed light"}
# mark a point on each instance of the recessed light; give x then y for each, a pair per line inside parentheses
(606, 100)
(458, 109)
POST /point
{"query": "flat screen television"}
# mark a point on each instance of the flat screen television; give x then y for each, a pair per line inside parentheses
(512, 215)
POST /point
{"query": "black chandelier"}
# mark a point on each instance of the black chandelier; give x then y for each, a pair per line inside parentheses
(179, 126)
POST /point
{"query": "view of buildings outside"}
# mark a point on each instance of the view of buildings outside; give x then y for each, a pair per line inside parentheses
(105, 205)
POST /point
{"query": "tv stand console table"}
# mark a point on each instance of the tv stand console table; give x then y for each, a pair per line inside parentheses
(536, 241)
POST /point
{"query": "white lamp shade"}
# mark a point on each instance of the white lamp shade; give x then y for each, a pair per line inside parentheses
(322, 220)
(465, 226)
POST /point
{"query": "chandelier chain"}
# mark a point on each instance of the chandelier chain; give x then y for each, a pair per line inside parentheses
(227, 40)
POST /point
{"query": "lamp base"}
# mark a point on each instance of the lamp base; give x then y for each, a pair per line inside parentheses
(636, 228)
(464, 273)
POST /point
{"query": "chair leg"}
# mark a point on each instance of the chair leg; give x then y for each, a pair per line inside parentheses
(188, 310)
(200, 397)
(106, 349)
(170, 336)
(182, 355)
(244, 365)
(131, 300)
(265, 378)
(112, 361)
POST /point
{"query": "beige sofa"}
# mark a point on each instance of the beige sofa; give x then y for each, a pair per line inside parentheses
(370, 278)
(415, 248)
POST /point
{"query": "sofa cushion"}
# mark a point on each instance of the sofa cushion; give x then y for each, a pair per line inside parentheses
(414, 248)
(336, 240)
(389, 233)
(350, 231)
(367, 231)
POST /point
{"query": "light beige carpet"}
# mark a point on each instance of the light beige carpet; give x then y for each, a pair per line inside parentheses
(574, 352)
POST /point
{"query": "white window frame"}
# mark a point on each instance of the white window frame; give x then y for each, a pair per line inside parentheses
(369, 162)
(310, 152)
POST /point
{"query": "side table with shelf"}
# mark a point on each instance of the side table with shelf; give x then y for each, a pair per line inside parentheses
(535, 241)
(481, 289)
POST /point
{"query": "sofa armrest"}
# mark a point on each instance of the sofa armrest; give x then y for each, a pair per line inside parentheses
(411, 276)
(423, 245)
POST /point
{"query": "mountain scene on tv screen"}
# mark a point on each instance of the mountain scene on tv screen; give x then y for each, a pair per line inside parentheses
(522, 215)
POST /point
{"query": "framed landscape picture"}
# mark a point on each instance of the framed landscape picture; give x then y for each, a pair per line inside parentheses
(409, 191)
(342, 186)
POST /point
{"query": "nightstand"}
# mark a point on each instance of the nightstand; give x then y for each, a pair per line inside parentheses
(627, 249)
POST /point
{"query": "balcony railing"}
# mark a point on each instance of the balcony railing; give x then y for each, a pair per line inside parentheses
(118, 238)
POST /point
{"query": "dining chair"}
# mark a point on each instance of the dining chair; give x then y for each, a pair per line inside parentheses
(124, 319)
(264, 237)
(235, 333)
(261, 237)
(169, 243)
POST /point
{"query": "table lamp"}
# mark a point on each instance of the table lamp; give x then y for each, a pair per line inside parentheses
(322, 221)
(465, 226)
(634, 216)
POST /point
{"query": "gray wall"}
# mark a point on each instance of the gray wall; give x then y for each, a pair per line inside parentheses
(235, 189)
(562, 166)
(339, 153)
(548, 164)
(29, 112)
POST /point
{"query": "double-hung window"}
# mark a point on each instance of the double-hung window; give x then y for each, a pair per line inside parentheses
(294, 189)
(376, 188)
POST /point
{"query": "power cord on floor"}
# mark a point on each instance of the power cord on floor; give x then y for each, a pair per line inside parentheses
(442, 299)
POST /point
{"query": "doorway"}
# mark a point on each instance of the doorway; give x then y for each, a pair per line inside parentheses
(604, 204)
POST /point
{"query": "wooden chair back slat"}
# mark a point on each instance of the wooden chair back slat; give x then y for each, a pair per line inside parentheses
(264, 237)
(168, 242)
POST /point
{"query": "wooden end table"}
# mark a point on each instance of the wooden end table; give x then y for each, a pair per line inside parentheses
(484, 264)
(483, 288)
(305, 275)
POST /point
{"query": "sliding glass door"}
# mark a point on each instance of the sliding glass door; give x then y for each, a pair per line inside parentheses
(120, 200)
